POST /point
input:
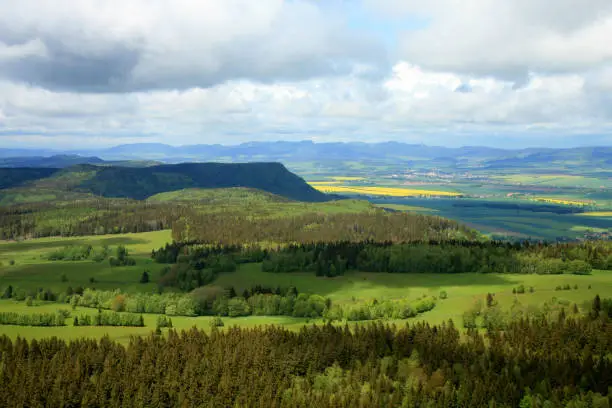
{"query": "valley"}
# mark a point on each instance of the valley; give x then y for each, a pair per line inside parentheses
(139, 252)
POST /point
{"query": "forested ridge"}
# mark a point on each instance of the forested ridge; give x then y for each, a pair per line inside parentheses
(142, 182)
(532, 363)
(314, 227)
(191, 221)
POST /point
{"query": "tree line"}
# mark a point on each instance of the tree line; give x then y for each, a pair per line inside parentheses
(532, 363)
(32, 319)
(197, 264)
(109, 319)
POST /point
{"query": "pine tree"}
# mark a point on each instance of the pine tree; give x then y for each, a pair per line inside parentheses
(145, 277)
(489, 300)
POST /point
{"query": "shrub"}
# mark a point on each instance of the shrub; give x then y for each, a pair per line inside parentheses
(490, 300)
(121, 258)
(163, 321)
(12, 262)
(29, 301)
(238, 306)
(578, 267)
(64, 278)
(469, 320)
(204, 298)
(118, 304)
(75, 300)
(520, 289)
(216, 322)
(443, 295)
(8, 292)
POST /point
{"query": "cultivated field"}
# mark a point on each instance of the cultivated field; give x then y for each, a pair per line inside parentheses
(381, 191)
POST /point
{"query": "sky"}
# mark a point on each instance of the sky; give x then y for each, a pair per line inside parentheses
(96, 73)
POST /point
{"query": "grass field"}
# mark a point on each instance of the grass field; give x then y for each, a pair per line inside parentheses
(346, 178)
(557, 180)
(403, 207)
(31, 269)
(462, 289)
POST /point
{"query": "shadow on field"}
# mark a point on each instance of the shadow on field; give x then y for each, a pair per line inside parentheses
(356, 283)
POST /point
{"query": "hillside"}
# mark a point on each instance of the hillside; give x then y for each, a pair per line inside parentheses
(56, 162)
(14, 177)
(141, 183)
(219, 196)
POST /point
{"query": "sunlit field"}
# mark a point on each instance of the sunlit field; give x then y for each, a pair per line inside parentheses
(597, 214)
(382, 191)
(564, 201)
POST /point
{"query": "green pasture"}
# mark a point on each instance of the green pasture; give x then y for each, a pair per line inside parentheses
(31, 269)
(556, 180)
(463, 291)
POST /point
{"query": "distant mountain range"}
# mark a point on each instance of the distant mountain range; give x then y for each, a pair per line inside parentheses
(307, 151)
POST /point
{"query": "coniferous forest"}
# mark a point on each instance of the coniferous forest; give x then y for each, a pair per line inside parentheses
(532, 363)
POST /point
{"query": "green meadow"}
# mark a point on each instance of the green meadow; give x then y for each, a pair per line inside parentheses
(31, 270)
(24, 264)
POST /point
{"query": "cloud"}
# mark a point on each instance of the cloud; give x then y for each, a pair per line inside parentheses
(136, 45)
(506, 39)
(411, 104)
(32, 48)
(95, 72)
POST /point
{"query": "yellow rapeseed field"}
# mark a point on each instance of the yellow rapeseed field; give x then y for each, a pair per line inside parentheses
(598, 213)
(563, 201)
(381, 191)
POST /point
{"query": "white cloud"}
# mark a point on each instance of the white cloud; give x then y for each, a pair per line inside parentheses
(95, 72)
(410, 102)
(508, 39)
(32, 48)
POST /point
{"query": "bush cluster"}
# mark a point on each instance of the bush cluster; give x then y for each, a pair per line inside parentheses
(32, 319)
(110, 319)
